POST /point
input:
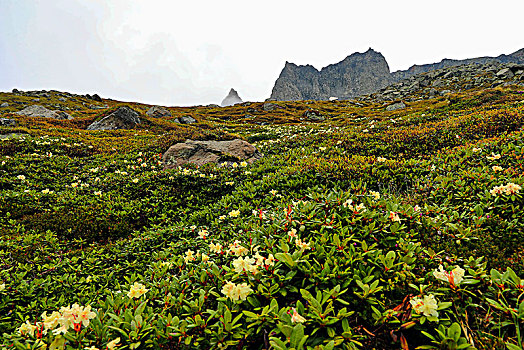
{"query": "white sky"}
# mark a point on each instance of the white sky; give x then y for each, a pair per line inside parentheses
(192, 52)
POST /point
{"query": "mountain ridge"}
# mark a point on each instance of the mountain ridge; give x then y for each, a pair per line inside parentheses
(359, 74)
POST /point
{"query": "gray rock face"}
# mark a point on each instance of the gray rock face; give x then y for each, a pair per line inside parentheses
(203, 152)
(41, 111)
(158, 112)
(364, 73)
(231, 99)
(7, 122)
(123, 118)
(358, 74)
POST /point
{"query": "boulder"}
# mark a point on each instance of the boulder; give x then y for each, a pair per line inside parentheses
(231, 99)
(268, 106)
(7, 122)
(395, 106)
(122, 118)
(203, 152)
(314, 116)
(96, 98)
(187, 119)
(41, 111)
(158, 112)
(4, 105)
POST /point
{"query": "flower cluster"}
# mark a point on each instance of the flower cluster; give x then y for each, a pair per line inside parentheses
(60, 321)
(454, 277)
(236, 249)
(508, 189)
(349, 204)
(137, 290)
(394, 216)
(236, 291)
(494, 156)
(296, 317)
(426, 306)
(252, 264)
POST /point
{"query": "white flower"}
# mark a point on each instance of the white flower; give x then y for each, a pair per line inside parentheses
(454, 277)
(427, 306)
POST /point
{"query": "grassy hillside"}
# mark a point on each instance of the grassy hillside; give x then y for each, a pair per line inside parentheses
(368, 230)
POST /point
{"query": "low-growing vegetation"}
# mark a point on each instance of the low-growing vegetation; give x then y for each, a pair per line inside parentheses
(370, 230)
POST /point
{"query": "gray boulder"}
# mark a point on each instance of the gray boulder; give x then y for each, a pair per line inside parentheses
(122, 118)
(314, 116)
(7, 122)
(395, 106)
(4, 105)
(41, 111)
(158, 112)
(203, 152)
(187, 119)
(268, 106)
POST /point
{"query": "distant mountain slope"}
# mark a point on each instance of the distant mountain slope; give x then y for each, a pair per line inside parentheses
(358, 74)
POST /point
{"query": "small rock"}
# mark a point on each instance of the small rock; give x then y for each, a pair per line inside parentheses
(314, 116)
(4, 105)
(96, 98)
(505, 73)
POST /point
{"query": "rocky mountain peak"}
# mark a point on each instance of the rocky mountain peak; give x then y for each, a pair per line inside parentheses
(231, 99)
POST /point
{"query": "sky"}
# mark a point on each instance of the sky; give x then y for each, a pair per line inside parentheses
(183, 53)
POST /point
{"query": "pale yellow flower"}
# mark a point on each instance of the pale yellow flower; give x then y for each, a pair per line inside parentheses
(243, 163)
(454, 277)
(234, 213)
(240, 264)
(21, 177)
(27, 329)
(302, 245)
(394, 216)
(475, 149)
(190, 256)
(227, 289)
(496, 168)
(296, 318)
(113, 343)
(292, 233)
(86, 314)
(427, 306)
(205, 257)
(137, 290)
(203, 234)
(215, 248)
(494, 156)
(51, 321)
(2, 287)
(375, 195)
(381, 159)
(134, 181)
(270, 261)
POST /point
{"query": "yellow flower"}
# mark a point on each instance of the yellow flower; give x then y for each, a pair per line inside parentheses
(190, 256)
(137, 290)
(243, 290)
(302, 245)
(27, 329)
(51, 321)
(234, 213)
(427, 306)
(394, 216)
(113, 343)
(215, 248)
(241, 264)
(270, 261)
(475, 149)
(493, 156)
(496, 168)
(98, 193)
(227, 289)
(454, 277)
(375, 195)
(91, 348)
(86, 314)
(205, 257)
(234, 165)
(21, 177)
(381, 159)
(2, 287)
(203, 234)
(236, 292)
(296, 318)
(135, 181)
(243, 163)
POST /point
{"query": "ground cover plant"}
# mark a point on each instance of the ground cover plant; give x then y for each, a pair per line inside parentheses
(369, 230)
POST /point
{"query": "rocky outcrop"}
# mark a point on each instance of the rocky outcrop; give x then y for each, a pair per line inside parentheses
(361, 74)
(41, 111)
(231, 99)
(122, 118)
(203, 152)
(158, 112)
(357, 74)
(449, 80)
(7, 122)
